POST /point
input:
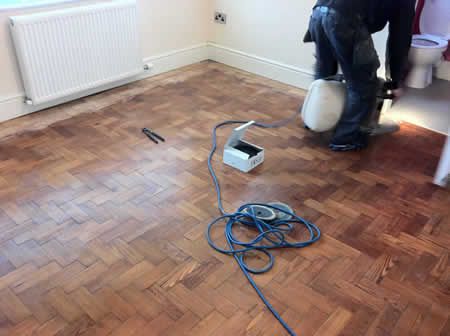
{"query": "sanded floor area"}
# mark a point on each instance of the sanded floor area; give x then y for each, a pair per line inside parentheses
(102, 231)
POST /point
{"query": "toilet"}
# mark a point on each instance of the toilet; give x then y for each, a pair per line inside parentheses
(428, 47)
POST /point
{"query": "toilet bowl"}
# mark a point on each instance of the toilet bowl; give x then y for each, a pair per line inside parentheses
(428, 47)
(426, 52)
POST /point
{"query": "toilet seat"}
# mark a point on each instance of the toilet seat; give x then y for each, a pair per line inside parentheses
(427, 41)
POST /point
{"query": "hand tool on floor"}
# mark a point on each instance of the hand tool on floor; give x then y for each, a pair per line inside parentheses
(153, 135)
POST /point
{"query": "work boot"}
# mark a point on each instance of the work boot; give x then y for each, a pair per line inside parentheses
(360, 143)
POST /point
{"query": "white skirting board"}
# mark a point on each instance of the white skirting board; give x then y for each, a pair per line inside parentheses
(281, 72)
(14, 106)
(177, 59)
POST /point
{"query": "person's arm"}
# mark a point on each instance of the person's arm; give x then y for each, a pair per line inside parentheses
(399, 41)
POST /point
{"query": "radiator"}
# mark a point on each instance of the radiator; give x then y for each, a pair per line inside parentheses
(70, 51)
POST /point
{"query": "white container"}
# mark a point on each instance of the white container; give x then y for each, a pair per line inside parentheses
(240, 154)
(324, 105)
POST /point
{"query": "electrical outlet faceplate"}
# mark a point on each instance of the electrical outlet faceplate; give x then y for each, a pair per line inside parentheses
(220, 18)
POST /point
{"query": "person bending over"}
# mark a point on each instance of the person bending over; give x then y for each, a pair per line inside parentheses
(341, 31)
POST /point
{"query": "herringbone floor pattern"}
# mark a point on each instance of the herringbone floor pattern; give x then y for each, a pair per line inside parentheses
(101, 231)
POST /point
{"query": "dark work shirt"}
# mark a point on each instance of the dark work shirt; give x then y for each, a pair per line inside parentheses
(400, 16)
(377, 14)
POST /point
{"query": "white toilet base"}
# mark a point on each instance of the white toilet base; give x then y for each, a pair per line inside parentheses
(443, 71)
(420, 77)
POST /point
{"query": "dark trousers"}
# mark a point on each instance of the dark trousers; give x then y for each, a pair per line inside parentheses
(343, 39)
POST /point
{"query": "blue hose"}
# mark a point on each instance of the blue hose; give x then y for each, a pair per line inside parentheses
(268, 235)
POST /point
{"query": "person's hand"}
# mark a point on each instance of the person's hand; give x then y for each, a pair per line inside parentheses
(398, 92)
(395, 89)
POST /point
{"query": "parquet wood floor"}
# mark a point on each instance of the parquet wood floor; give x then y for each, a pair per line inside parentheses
(101, 231)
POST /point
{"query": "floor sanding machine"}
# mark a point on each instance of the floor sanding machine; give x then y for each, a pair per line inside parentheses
(325, 101)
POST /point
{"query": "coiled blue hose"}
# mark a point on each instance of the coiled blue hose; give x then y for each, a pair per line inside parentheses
(268, 235)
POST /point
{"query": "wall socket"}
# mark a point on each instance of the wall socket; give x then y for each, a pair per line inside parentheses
(220, 18)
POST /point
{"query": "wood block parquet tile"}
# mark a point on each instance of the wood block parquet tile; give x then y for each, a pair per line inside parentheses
(101, 231)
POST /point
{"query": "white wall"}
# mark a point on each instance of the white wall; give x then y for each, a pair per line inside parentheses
(167, 26)
(273, 30)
